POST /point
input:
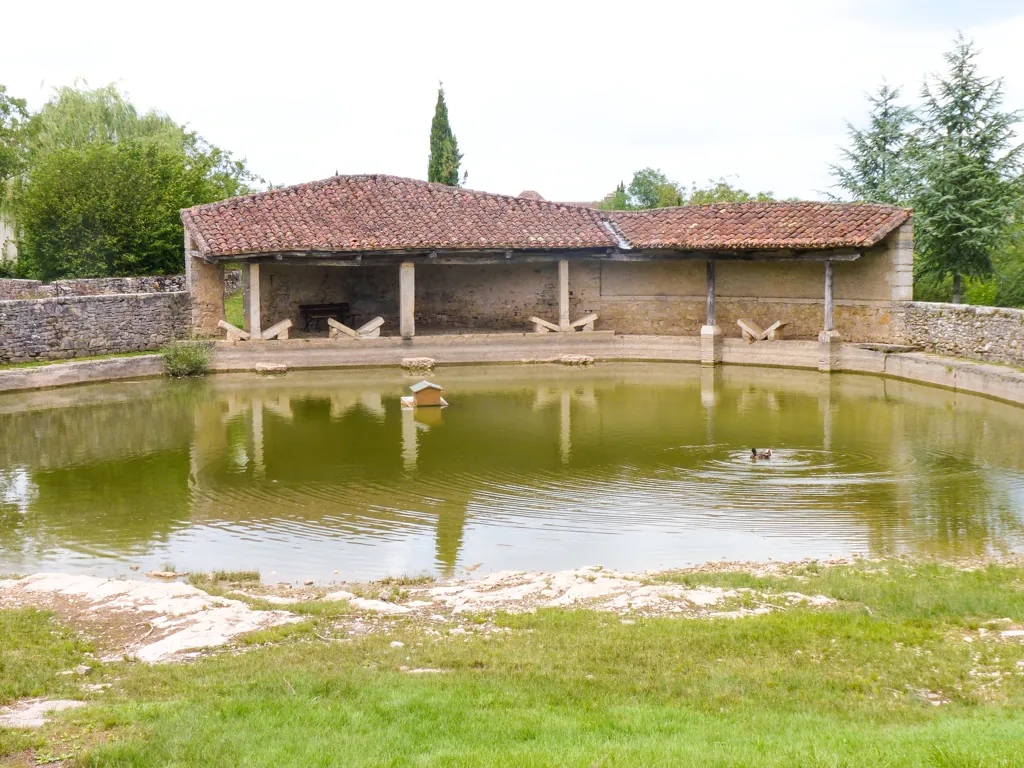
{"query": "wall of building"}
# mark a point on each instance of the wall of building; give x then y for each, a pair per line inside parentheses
(669, 297)
(992, 334)
(79, 326)
(657, 297)
(369, 291)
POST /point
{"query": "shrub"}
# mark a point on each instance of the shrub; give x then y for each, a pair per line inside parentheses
(187, 358)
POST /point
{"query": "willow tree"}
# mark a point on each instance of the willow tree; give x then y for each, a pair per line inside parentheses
(970, 181)
(445, 158)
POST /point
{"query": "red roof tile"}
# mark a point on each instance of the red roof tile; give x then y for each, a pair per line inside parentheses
(387, 213)
(760, 226)
(379, 213)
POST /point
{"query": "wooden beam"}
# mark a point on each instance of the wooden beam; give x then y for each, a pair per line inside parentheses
(488, 256)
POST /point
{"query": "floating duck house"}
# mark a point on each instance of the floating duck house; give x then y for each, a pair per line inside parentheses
(425, 394)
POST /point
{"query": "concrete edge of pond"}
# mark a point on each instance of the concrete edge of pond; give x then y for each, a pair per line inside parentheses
(80, 372)
(990, 380)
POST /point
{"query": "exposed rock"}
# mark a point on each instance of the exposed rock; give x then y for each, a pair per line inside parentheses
(576, 360)
(176, 617)
(31, 713)
(377, 606)
(270, 368)
(416, 364)
(341, 594)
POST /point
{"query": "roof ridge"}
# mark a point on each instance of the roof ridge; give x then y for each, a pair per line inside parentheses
(321, 183)
(756, 204)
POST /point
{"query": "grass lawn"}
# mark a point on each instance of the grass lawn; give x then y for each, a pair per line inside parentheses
(909, 670)
(233, 311)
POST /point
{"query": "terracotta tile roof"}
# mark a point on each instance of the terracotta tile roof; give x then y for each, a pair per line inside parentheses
(379, 213)
(387, 213)
(760, 226)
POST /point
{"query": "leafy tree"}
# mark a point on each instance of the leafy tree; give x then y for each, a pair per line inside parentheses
(13, 117)
(721, 191)
(970, 171)
(103, 187)
(616, 201)
(445, 158)
(875, 167)
(650, 188)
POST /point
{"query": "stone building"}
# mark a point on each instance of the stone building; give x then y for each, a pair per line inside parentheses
(434, 259)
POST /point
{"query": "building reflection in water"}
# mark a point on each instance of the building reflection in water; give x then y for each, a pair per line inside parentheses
(528, 468)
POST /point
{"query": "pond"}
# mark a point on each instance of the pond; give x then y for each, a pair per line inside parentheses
(321, 475)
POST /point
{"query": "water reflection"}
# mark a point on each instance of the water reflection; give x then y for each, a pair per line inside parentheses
(632, 467)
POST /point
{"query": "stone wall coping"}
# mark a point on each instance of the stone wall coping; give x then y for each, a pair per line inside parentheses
(976, 309)
(91, 297)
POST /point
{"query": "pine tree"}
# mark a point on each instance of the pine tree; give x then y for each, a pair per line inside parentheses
(970, 171)
(875, 166)
(443, 163)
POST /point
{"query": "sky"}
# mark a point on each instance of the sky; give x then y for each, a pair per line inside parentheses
(563, 98)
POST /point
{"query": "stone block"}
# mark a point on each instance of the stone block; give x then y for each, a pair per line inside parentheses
(711, 345)
(829, 347)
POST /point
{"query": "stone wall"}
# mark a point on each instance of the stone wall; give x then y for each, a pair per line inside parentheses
(36, 289)
(79, 326)
(992, 334)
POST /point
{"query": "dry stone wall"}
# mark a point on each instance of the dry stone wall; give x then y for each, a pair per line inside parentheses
(66, 327)
(992, 334)
(36, 289)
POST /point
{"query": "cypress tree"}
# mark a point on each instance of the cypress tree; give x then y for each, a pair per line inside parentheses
(444, 160)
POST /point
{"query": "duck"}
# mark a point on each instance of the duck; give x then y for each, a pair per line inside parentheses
(756, 454)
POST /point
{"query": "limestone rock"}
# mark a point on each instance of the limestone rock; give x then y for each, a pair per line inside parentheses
(270, 368)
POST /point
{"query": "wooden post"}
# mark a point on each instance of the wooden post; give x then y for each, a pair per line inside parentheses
(829, 297)
(563, 295)
(711, 292)
(255, 322)
(407, 299)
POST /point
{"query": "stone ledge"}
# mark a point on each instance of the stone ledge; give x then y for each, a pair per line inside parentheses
(80, 372)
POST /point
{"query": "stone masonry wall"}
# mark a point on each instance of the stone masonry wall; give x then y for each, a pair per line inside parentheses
(993, 334)
(80, 326)
(36, 289)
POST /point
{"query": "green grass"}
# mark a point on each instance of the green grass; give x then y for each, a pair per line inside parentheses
(219, 577)
(841, 687)
(234, 311)
(34, 649)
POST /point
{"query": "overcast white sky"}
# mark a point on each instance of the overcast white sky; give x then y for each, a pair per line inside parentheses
(563, 98)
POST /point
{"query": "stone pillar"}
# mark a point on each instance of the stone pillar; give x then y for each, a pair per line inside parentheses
(407, 299)
(901, 261)
(828, 339)
(711, 339)
(205, 283)
(830, 298)
(253, 313)
(563, 294)
(829, 344)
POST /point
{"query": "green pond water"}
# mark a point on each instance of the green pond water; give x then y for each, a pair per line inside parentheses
(321, 475)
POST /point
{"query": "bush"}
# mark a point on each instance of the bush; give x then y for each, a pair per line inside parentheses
(187, 358)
